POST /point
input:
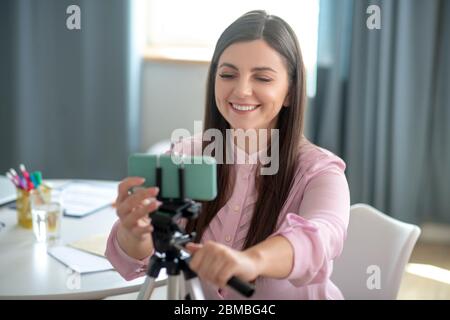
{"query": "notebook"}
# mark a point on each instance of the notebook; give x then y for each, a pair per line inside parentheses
(83, 198)
(95, 244)
(79, 261)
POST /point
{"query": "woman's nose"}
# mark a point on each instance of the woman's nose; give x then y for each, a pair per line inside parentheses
(243, 88)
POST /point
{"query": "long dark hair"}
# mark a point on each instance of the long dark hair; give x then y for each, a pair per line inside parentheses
(272, 189)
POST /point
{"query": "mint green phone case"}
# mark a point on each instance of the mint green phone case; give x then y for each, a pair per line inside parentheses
(200, 175)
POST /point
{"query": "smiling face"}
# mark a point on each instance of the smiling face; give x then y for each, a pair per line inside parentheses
(251, 85)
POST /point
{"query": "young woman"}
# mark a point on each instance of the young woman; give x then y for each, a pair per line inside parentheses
(281, 230)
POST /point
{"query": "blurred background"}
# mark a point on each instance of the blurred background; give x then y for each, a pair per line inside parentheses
(75, 102)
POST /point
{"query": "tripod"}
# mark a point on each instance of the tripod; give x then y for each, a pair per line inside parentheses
(182, 281)
(168, 240)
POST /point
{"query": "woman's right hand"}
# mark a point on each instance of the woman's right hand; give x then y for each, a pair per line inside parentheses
(134, 230)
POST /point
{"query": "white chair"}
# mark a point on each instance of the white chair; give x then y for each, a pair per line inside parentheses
(160, 147)
(376, 246)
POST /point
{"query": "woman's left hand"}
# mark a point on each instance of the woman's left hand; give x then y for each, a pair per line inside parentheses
(217, 263)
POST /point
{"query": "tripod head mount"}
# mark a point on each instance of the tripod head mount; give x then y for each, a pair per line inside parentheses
(166, 230)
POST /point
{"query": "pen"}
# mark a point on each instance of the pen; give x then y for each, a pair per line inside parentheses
(26, 175)
(14, 181)
(37, 176)
(33, 179)
(17, 178)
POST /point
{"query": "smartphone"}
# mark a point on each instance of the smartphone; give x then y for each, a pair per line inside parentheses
(200, 174)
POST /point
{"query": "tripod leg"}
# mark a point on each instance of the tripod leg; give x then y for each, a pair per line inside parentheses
(173, 291)
(147, 288)
(182, 286)
(194, 288)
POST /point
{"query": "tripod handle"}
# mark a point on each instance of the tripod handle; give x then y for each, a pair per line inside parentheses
(237, 284)
(242, 287)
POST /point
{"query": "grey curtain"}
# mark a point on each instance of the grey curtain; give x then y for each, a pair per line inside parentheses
(383, 103)
(68, 97)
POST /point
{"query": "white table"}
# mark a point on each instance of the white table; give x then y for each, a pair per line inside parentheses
(28, 272)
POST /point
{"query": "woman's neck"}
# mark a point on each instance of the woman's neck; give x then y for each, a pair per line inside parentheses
(251, 140)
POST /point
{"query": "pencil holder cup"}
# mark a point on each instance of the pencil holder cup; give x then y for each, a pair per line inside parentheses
(23, 205)
(23, 208)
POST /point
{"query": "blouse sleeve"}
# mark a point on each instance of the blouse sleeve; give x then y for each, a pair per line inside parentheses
(128, 267)
(318, 232)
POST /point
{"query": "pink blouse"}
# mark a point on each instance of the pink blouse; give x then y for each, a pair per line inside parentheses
(314, 220)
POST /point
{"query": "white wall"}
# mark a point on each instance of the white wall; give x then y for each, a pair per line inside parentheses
(173, 96)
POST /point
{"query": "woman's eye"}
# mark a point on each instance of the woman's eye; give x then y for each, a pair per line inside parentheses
(264, 79)
(226, 76)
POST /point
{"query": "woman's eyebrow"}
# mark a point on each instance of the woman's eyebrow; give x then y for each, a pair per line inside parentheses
(232, 66)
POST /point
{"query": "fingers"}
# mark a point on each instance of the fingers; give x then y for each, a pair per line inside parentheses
(224, 275)
(126, 185)
(140, 232)
(197, 255)
(135, 200)
(133, 209)
(215, 270)
(212, 266)
(211, 262)
(192, 247)
(196, 261)
(147, 206)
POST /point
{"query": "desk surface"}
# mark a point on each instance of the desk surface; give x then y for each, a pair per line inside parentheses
(28, 272)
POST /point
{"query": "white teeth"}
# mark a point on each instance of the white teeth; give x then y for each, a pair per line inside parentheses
(243, 108)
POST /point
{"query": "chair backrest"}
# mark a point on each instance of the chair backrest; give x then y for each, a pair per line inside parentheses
(375, 254)
(160, 147)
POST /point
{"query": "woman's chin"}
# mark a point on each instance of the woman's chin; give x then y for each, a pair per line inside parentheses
(243, 127)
